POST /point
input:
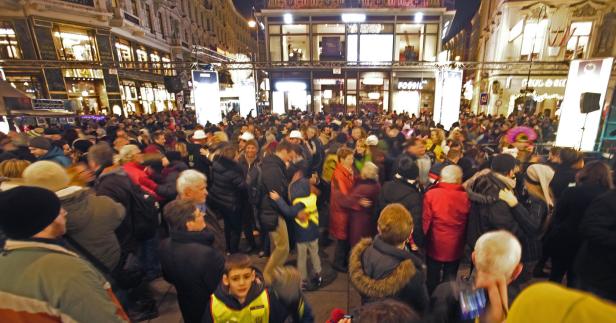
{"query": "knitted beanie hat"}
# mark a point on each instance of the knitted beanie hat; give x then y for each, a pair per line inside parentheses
(46, 174)
(395, 224)
(27, 210)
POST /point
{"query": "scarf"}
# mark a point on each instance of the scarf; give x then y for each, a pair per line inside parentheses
(509, 182)
(541, 175)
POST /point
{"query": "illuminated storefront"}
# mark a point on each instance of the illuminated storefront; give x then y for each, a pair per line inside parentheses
(378, 51)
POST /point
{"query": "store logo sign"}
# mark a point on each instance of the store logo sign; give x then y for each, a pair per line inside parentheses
(544, 83)
(411, 85)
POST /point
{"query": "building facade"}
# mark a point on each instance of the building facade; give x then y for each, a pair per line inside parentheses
(537, 40)
(342, 56)
(124, 49)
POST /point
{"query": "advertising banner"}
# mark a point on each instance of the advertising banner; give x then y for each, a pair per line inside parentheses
(577, 129)
(447, 97)
(206, 93)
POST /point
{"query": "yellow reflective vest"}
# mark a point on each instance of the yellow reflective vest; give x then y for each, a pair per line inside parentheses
(310, 202)
(258, 311)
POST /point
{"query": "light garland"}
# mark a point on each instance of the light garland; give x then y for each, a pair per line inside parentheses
(541, 97)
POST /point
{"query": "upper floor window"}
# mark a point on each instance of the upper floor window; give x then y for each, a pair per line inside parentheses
(577, 46)
(533, 39)
(75, 44)
(8, 42)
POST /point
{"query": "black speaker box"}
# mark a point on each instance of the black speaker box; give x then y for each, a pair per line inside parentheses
(173, 84)
(589, 102)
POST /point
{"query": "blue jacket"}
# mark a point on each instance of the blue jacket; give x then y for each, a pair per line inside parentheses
(55, 154)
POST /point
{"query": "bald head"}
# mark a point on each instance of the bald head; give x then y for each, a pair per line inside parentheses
(451, 174)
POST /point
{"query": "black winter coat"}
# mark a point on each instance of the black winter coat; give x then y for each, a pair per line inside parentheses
(596, 261)
(563, 238)
(168, 188)
(563, 176)
(379, 270)
(273, 178)
(117, 185)
(489, 213)
(537, 210)
(200, 162)
(407, 194)
(228, 186)
(194, 267)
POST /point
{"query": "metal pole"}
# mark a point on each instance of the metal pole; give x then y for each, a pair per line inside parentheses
(254, 70)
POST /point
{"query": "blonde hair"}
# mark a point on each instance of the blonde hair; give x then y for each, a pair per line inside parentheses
(13, 168)
(219, 136)
(181, 148)
(497, 253)
(127, 153)
(370, 171)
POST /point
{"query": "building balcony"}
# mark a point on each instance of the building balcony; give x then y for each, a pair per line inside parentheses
(339, 4)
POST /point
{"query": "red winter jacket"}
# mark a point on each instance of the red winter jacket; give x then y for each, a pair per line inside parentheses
(342, 184)
(138, 176)
(445, 213)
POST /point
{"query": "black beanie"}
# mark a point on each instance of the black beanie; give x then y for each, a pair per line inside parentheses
(27, 210)
(503, 163)
(40, 143)
(407, 168)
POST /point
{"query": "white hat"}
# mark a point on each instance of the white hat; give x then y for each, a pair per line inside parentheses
(295, 134)
(198, 135)
(372, 140)
(246, 136)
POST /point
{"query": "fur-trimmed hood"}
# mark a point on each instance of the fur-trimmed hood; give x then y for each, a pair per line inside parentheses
(379, 270)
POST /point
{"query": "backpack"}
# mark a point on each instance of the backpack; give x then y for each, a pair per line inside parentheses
(144, 214)
(255, 189)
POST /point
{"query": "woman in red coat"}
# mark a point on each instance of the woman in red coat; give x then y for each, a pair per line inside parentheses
(361, 202)
(445, 214)
(131, 159)
(342, 183)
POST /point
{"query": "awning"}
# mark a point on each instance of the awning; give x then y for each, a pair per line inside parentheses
(465, 11)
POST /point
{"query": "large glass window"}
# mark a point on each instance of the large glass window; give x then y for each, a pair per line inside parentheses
(142, 56)
(376, 43)
(8, 42)
(125, 52)
(416, 42)
(155, 59)
(329, 42)
(533, 39)
(577, 46)
(291, 45)
(74, 44)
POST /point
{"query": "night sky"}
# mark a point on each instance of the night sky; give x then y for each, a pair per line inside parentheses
(244, 7)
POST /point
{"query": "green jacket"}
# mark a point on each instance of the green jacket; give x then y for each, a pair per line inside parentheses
(45, 281)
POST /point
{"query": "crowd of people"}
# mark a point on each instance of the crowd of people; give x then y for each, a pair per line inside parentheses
(431, 224)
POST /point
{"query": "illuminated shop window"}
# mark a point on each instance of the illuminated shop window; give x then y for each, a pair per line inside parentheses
(74, 44)
(8, 42)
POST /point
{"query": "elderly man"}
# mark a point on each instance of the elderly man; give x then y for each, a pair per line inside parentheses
(496, 258)
(445, 213)
(192, 186)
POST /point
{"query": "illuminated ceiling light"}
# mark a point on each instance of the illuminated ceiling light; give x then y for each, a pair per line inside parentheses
(328, 94)
(252, 24)
(288, 86)
(84, 93)
(353, 17)
(419, 17)
(288, 18)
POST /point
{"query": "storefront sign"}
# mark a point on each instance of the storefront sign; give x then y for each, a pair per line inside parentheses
(577, 129)
(206, 91)
(533, 83)
(46, 104)
(411, 85)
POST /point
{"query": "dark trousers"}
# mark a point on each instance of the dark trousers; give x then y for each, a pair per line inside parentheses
(439, 272)
(341, 254)
(233, 232)
(562, 266)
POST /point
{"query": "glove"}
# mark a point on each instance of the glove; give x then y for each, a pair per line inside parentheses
(508, 197)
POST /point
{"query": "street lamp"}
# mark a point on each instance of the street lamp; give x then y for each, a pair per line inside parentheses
(252, 24)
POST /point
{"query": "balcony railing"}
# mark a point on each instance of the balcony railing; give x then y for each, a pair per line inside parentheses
(336, 4)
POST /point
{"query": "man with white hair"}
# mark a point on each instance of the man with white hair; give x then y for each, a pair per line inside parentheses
(192, 186)
(488, 293)
(445, 213)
